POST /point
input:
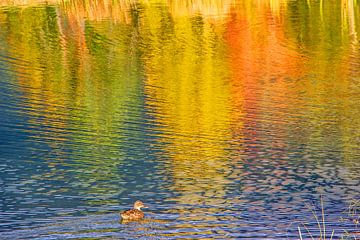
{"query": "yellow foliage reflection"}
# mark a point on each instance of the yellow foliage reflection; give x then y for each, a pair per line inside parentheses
(191, 101)
(204, 66)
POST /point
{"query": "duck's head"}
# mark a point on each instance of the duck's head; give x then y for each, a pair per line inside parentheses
(139, 204)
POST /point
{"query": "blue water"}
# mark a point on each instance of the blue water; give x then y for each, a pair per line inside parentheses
(220, 137)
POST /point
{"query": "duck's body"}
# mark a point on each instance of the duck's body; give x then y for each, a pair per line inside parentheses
(135, 213)
(132, 214)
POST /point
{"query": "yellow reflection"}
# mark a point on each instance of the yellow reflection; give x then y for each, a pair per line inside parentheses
(277, 6)
(186, 87)
(189, 50)
(116, 10)
(207, 9)
(27, 3)
(349, 19)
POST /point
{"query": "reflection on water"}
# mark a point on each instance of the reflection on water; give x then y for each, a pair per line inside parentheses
(225, 117)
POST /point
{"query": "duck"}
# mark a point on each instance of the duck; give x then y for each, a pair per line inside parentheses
(135, 213)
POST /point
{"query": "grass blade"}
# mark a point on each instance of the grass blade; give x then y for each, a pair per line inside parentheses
(300, 235)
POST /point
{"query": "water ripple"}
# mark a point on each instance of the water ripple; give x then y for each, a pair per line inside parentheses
(227, 125)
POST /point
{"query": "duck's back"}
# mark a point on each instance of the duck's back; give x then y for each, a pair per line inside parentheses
(132, 214)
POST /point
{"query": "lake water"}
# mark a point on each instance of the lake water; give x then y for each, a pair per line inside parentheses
(230, 119)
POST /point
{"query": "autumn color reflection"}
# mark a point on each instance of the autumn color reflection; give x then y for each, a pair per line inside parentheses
(191, 102)
(210, 73)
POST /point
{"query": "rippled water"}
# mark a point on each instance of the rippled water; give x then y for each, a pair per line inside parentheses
(226, 118)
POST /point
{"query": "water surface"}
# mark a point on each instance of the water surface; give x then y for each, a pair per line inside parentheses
(226, 117)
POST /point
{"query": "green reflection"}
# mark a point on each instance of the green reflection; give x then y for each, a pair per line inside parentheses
(81, 87)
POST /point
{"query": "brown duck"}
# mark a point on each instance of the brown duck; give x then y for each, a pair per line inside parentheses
(135, 213)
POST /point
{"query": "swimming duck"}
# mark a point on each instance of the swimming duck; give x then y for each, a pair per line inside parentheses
(135, 213)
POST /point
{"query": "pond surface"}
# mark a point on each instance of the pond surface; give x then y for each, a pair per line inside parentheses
(228, 118)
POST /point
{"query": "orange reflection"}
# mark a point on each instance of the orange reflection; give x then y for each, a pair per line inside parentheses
(259, 61)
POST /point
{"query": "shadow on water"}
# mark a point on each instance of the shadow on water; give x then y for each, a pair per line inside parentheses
(225, 116)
